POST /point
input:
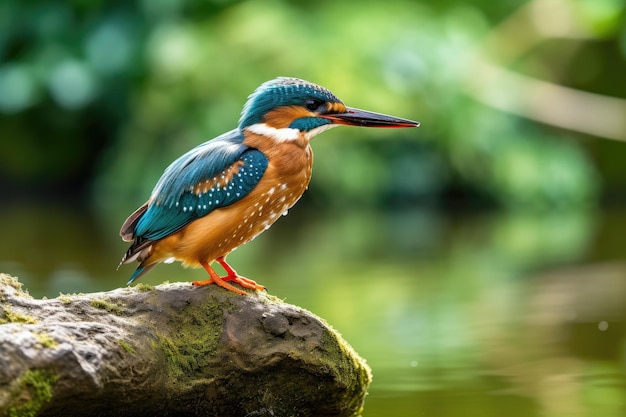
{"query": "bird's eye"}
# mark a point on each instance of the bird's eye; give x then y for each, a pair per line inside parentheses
(313, 104)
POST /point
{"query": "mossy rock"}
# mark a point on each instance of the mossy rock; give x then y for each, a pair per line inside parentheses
(173, 349)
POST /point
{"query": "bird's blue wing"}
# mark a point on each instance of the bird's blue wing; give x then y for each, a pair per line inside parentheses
(212, 175)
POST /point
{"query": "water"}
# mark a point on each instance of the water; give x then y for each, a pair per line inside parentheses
(484, 315)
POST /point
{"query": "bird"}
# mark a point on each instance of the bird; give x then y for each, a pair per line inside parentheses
(226, 191)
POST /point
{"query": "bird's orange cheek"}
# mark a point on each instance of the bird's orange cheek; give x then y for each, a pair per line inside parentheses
(282, 117)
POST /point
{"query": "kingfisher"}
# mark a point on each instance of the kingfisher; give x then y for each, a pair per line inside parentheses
(226, 191)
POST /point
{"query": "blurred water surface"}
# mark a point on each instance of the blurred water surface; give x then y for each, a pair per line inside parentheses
(494, 314)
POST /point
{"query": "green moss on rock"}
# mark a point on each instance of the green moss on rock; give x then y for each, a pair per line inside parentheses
(10, 281)
(346, 366)
(11, 316)
(141, 287)
(108, 306)
(46, 341)
(34, 391)
(126, 346)
(65, 298)
(193, 343)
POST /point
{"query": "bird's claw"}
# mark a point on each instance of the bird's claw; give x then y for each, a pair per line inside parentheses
(224, 283)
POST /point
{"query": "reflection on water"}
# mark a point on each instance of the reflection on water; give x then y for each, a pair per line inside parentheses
(507, 314)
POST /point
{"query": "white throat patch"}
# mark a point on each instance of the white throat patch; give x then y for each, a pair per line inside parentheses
(284, 134)
(313, 132)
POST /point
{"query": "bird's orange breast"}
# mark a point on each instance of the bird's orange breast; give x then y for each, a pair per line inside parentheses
(218, 233)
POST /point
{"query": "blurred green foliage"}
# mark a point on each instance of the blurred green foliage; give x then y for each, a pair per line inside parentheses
(96, 98)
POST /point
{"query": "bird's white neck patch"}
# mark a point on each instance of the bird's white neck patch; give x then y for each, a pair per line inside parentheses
(309, 135)
(284, 134)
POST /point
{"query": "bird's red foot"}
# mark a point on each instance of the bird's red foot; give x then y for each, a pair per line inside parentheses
(246, 283)
(231, 276)
(219, 281)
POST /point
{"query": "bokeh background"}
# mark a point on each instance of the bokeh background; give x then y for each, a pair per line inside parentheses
(477, 262)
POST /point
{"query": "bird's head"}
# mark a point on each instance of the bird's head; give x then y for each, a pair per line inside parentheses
(286, 108)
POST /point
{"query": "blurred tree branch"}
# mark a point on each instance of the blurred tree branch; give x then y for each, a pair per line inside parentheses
(539, 100)
(549, 103)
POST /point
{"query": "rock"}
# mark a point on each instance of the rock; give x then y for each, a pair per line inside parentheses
(173, 349)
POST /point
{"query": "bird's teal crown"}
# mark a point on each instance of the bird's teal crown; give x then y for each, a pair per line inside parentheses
(285, 91)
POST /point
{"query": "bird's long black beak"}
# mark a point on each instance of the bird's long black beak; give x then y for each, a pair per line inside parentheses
(357, 117)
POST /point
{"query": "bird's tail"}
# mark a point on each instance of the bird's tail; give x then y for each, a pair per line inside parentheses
(140, 251)
(141, 247)
(127, 231)
(141, 269)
